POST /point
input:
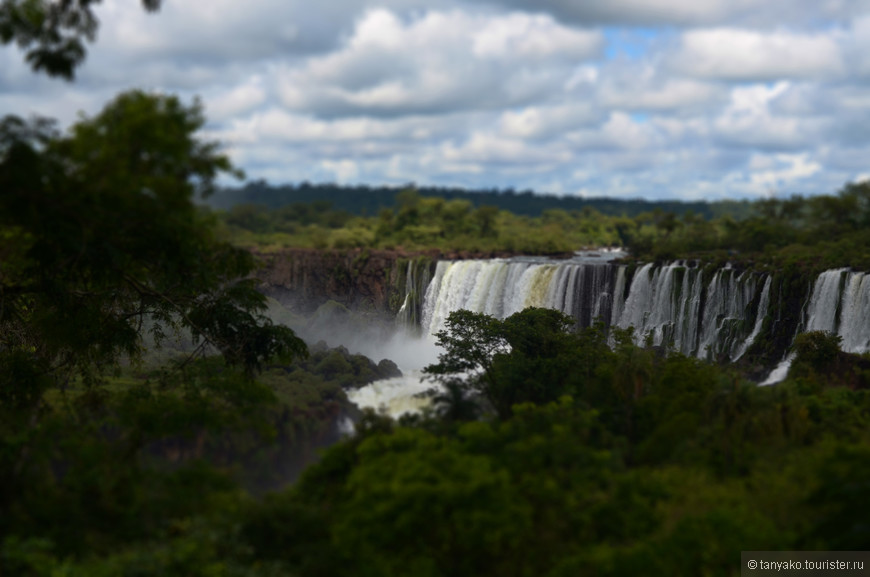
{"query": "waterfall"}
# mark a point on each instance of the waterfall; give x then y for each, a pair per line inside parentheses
(417, 277)
(728, 315)
(500, 288)
(714, 315)
(824, 302)
(855, 313)
(667, 305)
(763, 306)
(839, 303)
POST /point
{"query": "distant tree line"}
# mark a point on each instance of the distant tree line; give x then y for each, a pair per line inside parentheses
(813, 233)
(419, 222)
(368, 200)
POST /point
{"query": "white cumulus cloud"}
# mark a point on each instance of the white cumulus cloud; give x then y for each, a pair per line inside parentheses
(746, 55)
(659, 98)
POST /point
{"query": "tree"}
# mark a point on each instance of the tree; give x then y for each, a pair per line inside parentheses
(454, 404)
(101, 245)
(541, 365)
(53, 33)
(417, 504)
(486, 216)
(102, 241)
(528, 357)
(470, 341)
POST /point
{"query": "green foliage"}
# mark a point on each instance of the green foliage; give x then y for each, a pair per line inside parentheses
(817, 349)
(471, 342)
(679, 466)
(813, 233)
(842, 495)
(106, 236)
(106, 467)
(417, 222)
(535, 356)
(53, 34)
(539, 368)
(652, 464)
(819, 362)
(405, 480)
(365, 200)
(112, 473)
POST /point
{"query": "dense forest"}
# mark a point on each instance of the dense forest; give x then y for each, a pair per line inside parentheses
(156, 414)
(809, 233)
(362, 200)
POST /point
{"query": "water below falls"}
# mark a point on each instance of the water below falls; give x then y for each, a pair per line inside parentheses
(396, 396)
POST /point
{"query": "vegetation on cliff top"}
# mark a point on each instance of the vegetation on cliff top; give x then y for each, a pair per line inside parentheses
(813, 233)
(418, 223)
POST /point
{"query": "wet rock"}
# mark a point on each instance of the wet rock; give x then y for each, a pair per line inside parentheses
(387, 369)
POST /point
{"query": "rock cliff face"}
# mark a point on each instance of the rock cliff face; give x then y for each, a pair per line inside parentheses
(362, 280)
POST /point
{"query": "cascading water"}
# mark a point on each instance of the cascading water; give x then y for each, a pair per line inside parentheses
(666, 305)
(417, 277)
(822, 310)
(855, 313)
(671, 305)
(662, 306)
(840, 304)
(820, 316)
(585, 288)
(396, 396)
(763, 307)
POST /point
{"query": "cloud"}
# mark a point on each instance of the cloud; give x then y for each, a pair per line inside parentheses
(769, 175)
(437, 62)
(627, 11)
(237, 100)
(751, 119)
(491, 148)
(642, 93)
(345, 170)
(530, 38)
(220, 30)
(655, 98)
(621, 130)
(745, 55)
(280, 126)
(750, 13)
(546, 122)
(858, 47)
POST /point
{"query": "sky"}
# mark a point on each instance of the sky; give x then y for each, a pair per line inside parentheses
(655, 99)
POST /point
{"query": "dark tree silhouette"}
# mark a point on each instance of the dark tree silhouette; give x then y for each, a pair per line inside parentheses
(53, 34)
